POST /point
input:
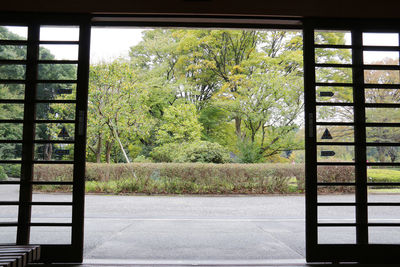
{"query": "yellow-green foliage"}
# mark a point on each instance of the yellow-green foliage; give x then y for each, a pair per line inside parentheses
(383, 175)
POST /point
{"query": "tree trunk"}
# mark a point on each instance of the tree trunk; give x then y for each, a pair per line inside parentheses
(381, 153)
(48, 151)
(238, 129)
(263, 136)
(98, 149)
(253, 136)
(121, 146)
(108, 151)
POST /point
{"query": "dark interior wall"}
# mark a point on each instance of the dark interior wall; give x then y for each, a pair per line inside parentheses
(297, 8)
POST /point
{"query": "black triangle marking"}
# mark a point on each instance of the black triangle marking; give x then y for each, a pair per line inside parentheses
(326, 135)
(63, 133)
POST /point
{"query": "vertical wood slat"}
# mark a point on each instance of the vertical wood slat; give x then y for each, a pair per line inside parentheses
(25, 197)
(360, 139)
(80, 141)
(310, 140)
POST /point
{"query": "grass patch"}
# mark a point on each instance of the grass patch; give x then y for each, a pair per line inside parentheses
(181, 186)
(383, 175)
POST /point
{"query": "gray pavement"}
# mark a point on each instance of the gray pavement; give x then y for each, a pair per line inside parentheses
(197, 228)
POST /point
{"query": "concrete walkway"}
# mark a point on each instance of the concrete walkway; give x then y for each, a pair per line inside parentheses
(194, 228)
(198, 229)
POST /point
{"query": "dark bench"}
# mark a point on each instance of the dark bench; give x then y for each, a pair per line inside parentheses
(18, 256)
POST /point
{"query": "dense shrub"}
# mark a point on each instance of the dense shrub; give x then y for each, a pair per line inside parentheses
(207, 178)
(3, 174)
(200, 151)
(206, 152)
(167, 152)
(336, 174)
(249, 152)
(12, 170)
(57, 172)
(171, 178)
(142, 159)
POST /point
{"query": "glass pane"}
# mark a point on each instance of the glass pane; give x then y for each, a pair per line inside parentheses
(384, 235)
(333, 75)
(13, 33)
(55, 131)
(382, 95)
(58, 52)
(10, 172)
(336, 174)
(334, 94)
(11, 111)
(14, 52)
(8, 214)
(51, 173)
(334, 114)
(336, 194)
(9, 192)
(8, 235)
(380, 39)
(381, 76)
(336, 214)
(10, 151)
(383, 214)
(59, 193)
(383, 134)
(11, 131)
(333, 55)
(336, 235)
(12, 72)
(12, 91)
(335, 133)
(381, 58)
(383, 154)
(57, 71)
(50, 235)
(59, 33)
(381, 114)
(46, 111)
(335, 153)
(56, 91)
(51, 214)
(54, 152)
(332, 37)
(381, 174)
(385, 193)
(52, 193)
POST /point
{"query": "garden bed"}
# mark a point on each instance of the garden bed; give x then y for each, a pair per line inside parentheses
(192, 178)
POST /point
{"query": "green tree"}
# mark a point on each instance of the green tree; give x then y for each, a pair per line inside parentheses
(44, 91)
(180, 125)
(118, 110)
(241, 73)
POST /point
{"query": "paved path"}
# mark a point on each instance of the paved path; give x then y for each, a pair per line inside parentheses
(195, 228)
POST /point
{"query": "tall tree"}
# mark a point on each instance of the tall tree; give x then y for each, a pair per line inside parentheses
(249, 74)
(118, 112)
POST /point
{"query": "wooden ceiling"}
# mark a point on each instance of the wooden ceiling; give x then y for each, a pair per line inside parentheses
(295, 8)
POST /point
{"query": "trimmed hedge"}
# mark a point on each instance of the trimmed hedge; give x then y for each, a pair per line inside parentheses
(197, 178)
(172, 178)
